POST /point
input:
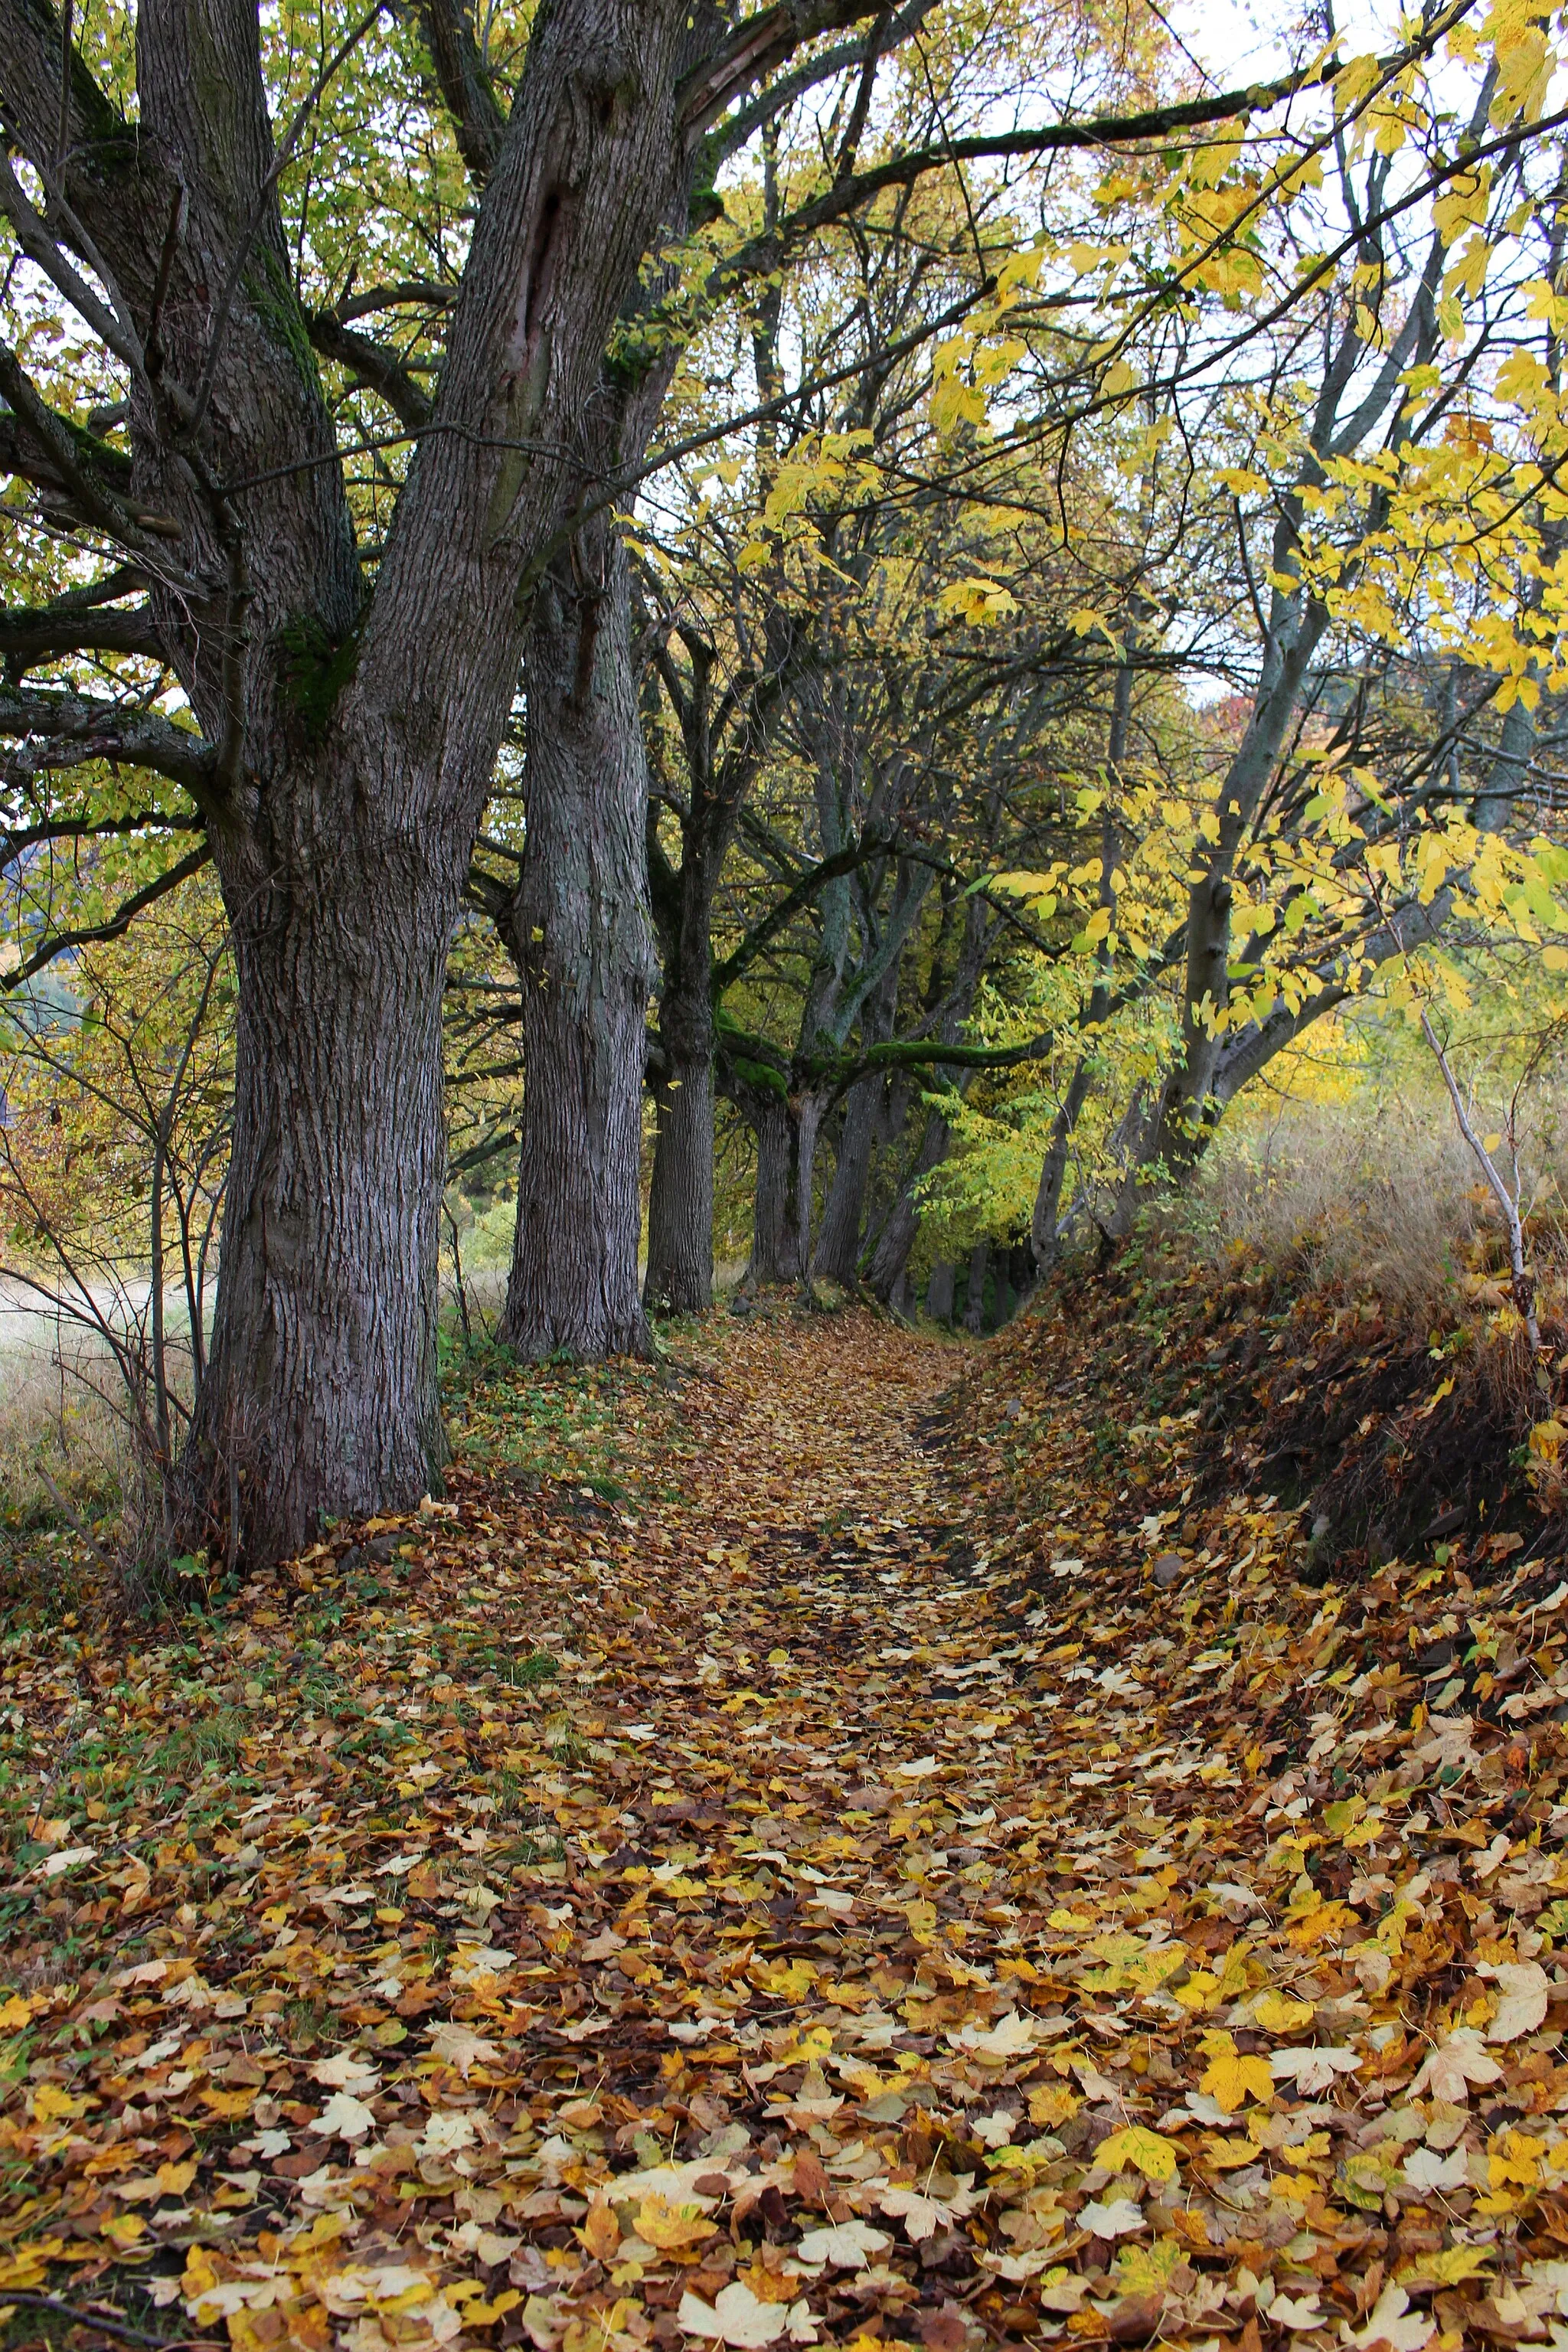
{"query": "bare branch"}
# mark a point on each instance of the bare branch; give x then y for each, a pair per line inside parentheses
(373, 364)
(60, 944)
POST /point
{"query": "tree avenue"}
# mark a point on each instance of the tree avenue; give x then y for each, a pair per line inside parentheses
(697, 501)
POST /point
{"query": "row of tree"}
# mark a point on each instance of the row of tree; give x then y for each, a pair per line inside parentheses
(655, 551)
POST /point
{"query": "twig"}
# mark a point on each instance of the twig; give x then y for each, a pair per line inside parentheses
(80, 1524)
(86, 2316)
(1521, 1285)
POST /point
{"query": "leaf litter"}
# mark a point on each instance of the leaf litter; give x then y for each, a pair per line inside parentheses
(884, 1865)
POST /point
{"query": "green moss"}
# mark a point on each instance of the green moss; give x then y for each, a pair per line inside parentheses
(315, 670)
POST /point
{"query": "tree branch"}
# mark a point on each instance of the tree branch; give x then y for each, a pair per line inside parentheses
(74, 728)
(830, 870)
(369, 363)
(94, 828)
(479, 118)
(47, 632)
(60, 944)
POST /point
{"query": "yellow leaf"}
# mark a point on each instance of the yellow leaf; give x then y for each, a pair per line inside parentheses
(668, 2226)
(1053, 2103)
(1452, 2267)
(1276, 2013)
(51, 2104)
(229, 2104)
(1231, 2079)
(1140, 2149)
(482, 2315)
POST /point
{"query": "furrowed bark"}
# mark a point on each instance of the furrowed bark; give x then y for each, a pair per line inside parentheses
(775, 1223)
(680, 1278)
(580, 936)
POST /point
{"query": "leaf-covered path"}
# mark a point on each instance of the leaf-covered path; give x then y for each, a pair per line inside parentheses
(779, 1857)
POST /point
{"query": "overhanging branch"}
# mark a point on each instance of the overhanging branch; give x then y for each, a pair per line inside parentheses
(114, 927)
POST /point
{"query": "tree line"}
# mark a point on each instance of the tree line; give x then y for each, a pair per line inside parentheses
(819, 568)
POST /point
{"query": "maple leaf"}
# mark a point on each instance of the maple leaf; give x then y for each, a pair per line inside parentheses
(1120, 2218)
(463, 2049)
(1452, 2266)
(1392, 2322)
(1232, 2078)
(1425, 2168)
(736, 2317)
(1009, 2038)
(347, 2072)
(1525, 1990)
(1295, 2311)
(922, 2216)
(1144, 2150)
(1277, 2012)
(345, 2118)
(448, 2131)
(1448, 2071)
(1312, 2069)
(847, 2245)
(668, 2226)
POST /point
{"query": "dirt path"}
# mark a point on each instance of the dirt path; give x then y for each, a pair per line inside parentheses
(756, 1887)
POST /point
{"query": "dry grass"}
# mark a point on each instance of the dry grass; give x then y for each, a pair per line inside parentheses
(1377, 1196)
(64, 1450)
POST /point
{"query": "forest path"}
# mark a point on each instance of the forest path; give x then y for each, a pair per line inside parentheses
(752, 1867)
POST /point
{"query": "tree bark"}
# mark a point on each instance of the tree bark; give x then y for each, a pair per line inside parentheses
(319, 1399)
(579, 936)
(837, 1252)
(938, 1291)
(1045, 1229)
(974, 1299)
(680, 1278)
(891, 1254)
(775, 1224)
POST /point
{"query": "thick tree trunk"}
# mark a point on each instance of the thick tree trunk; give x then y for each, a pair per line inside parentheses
(775, 1229)
(319, 1398)
(938, 1291)
(807, 1122)
(581, 940)
(837, 1252)
(680, 1278)
(975, 1300)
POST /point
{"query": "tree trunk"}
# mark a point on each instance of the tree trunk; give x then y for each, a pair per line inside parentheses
(975, 1302)
(581, 940)
(1044, 1230)
(938, 1291)
(775, 1229)
(679, 1279)
(838, 1244)
(896, 1238)
(807, 1119)
(319, 1399)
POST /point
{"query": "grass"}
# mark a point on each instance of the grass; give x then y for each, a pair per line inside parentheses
(1376, 1197)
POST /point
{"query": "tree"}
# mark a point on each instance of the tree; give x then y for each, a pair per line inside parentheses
(347, 725)
(324, 655)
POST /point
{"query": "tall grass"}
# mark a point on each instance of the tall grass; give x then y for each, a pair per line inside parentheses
(1378, 1195)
